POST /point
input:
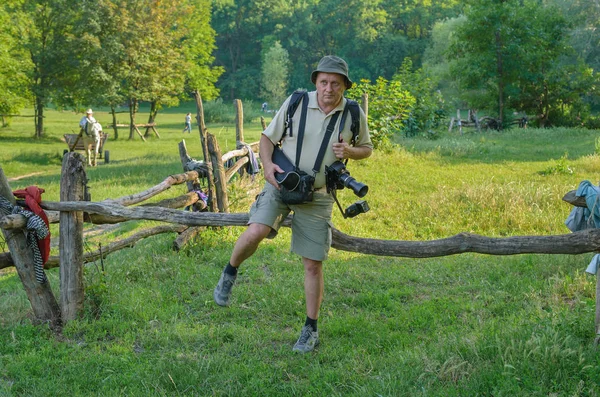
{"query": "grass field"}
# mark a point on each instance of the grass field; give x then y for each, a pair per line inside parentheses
(463, 325)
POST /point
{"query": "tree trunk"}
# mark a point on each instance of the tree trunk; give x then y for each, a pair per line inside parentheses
(500, 72)
(39, 117)
(151, 117)
(114, 122)
(132, 111)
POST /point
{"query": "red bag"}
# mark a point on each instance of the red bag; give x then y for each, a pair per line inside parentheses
(33, 198)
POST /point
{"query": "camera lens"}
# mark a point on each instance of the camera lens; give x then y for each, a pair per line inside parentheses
(360, 189)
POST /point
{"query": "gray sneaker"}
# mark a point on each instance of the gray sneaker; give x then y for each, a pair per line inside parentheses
(222, 291)
(307, 341)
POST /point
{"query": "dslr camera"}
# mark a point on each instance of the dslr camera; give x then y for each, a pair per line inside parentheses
(337, 177)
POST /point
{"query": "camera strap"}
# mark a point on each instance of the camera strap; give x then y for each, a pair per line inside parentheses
(301, 128)
(325, 142)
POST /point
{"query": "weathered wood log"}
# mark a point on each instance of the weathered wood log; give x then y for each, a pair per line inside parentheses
(573, 243)
(72, 188)
(185, 236)
(207, 160)
(53, 262)
(574, 199)
(233, 169)
(183, 157)
(597, 318)
(243, 151)
(239, 122)
(365, 104)
(18, 221)
(153, 191)
(44, 304)
(219, 174)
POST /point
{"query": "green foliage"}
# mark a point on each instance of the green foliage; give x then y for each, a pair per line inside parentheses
(561, 167)
(407, 105)
(389, 106)
(275, 74)
(427, 112)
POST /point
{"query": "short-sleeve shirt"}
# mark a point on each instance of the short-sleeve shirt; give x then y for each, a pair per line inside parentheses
(316, 125)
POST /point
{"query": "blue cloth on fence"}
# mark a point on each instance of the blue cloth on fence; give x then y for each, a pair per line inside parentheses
(579, 219)
(593, 266)
(590, 193)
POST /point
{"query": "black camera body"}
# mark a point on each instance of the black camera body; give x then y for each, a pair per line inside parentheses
(338, 177)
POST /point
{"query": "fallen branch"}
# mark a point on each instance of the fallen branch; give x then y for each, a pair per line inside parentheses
(53, 261)
(153, 191)
(573, 243)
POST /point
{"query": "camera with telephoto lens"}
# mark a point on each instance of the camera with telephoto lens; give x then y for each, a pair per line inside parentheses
(338, 177)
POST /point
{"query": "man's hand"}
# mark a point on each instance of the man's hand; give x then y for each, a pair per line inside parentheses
(270, 169)
(341, 150)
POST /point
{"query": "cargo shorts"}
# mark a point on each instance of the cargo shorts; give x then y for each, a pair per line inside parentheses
(311, 222)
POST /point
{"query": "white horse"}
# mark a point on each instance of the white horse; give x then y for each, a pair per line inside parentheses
(91, 140)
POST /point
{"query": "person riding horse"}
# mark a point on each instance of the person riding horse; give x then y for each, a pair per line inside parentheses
(90, 133)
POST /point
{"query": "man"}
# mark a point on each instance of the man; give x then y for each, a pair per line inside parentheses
(311, 233)
(88, 118)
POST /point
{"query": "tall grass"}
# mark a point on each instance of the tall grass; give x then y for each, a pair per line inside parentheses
(463, 325)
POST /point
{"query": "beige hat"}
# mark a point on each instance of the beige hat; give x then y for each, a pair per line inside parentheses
(89, 111)
(332, 64)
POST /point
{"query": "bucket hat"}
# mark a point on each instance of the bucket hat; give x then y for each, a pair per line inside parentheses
(332, 64)
(89, 111)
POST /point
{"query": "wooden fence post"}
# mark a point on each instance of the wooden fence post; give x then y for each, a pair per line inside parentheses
(597, 319)
(239, 128)
(207, 159)
(72, 188)
(43, 302)
(365, 104)
(219, 174)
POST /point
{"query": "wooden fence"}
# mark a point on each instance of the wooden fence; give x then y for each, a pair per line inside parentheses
(71, 212)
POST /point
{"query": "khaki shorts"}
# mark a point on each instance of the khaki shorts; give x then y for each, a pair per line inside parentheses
(311, 222)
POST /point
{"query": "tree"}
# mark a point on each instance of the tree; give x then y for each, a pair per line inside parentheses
(42, 29)
(275, 74)
(510, 50)
(13, 63)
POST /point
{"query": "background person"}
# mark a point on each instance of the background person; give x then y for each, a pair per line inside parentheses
(188, 123)
(88, 118)
(311, 233)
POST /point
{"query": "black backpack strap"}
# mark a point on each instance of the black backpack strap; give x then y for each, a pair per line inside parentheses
(352, 108)
(297, 96)
(325, 142)
(301, 128)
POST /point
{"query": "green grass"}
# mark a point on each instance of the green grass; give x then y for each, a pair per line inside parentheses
(463, 325)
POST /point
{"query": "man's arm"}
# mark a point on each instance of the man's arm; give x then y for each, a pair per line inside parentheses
(266, 153)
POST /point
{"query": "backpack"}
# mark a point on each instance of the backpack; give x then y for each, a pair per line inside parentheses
(351, 107)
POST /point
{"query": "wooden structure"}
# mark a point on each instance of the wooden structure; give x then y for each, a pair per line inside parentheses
(75, 142)
(73, 211)
(136, 127)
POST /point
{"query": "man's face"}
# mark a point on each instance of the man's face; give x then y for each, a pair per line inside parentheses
(330, 88)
